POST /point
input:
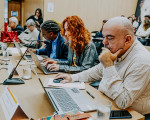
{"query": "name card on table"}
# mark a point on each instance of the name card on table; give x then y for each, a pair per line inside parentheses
(10, 106)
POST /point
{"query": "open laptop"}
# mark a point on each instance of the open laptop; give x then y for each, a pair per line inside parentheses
(41, 66)
(26, 57)
(65, 100)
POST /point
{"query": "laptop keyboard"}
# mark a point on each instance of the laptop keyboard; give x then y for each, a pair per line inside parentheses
(45, 69)
(65, 101)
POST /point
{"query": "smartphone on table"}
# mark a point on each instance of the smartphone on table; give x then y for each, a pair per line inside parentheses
(120, 114)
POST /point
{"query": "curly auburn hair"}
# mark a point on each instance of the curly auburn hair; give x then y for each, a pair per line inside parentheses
(79, 35)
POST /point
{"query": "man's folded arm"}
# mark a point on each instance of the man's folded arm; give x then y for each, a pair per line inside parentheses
(125, 91)
(92, 74)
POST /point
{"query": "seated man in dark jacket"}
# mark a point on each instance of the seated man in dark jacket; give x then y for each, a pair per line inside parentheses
(13, 23)
(55, 48)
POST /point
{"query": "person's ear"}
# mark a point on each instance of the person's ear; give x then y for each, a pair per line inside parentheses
(51, 34)
(128, 39)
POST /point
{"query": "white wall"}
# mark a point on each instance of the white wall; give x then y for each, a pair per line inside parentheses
(2, 15)
(92, 12)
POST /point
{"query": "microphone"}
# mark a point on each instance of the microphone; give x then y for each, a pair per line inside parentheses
(15, 81)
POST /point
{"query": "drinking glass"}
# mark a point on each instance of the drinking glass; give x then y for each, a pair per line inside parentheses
(103, 110)
(5, 56)
(4, 47)
(27, 71)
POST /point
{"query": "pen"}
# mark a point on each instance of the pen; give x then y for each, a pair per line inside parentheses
(90, 94)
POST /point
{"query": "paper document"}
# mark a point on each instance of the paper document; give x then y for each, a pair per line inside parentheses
(10, 105)
(79, 85)
(50, 7)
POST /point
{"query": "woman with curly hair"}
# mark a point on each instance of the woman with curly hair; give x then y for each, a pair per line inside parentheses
(82, 52)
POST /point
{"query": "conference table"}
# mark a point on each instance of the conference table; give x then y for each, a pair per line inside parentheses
(33, 99)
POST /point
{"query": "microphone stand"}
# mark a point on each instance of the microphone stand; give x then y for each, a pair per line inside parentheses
(15, 81)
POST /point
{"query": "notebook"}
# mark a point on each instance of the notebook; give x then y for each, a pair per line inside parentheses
(41, 66)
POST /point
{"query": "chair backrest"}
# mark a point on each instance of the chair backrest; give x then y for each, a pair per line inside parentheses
(94, 34)
(99, 44)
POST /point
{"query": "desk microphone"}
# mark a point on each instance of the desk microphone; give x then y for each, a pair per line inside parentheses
(14, 81)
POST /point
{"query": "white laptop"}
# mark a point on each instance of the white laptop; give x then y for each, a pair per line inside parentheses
(26, 57)
(65, 100)
(41, 66)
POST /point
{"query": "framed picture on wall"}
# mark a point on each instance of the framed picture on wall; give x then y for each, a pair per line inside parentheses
(14, 13)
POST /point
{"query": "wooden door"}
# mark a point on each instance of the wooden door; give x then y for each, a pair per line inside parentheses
(14, 9)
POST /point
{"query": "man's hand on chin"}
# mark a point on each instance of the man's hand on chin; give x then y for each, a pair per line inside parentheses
(107, 58)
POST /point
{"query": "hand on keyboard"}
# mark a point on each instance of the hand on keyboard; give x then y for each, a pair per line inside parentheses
(53, 67)
(47, 61)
